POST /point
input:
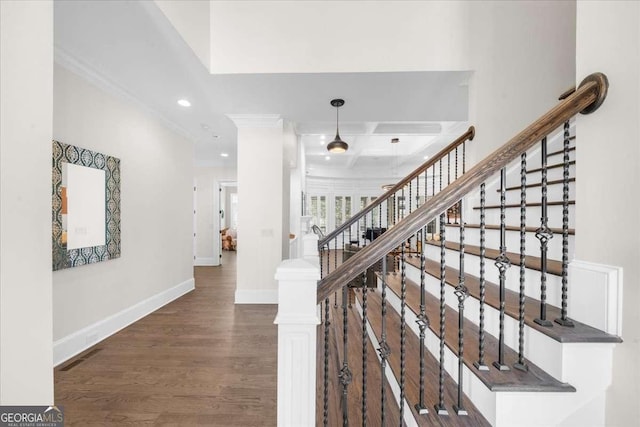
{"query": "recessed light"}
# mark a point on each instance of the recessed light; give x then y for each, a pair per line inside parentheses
(327, 157)
(184, 103)
(224, 154)
(426, 157)
(205, 127)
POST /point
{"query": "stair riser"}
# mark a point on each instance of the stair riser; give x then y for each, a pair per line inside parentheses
(534, 194)
(532, 277)
(512, 216)
(539, 348)
(506, 409)
(492, 240)
(552, 174)
(473, 387)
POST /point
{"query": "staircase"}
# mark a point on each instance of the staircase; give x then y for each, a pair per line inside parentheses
(474, 320)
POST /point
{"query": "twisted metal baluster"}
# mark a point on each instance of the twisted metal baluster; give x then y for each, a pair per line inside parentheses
(464, 156)
(462, 293)
(403, 332)
(456, 162)
(325, 380)
(520, 364)
(335, 252)
(480, 364)
(544, 234)
(322, 262)
(345, 373)
(564, 320)
(433, 181)
(384, 349)
(440, 174)
(503, 263)
(439, 407)
(364, 355)
(423, 321)
(410, 196)
(448, 179)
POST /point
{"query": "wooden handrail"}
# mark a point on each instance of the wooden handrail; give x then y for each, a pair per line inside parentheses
(586, 99)
(468, 135)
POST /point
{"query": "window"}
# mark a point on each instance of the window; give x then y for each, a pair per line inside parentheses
(342, 207)
(319, 211)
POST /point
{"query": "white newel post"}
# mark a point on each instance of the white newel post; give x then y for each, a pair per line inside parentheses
(297, 321)
(310, 248)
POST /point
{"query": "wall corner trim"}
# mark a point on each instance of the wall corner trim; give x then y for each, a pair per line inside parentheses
(67, 347)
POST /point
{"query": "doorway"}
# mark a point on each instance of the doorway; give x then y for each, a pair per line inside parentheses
(227, 218)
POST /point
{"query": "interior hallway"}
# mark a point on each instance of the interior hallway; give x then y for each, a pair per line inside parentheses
(200, 360)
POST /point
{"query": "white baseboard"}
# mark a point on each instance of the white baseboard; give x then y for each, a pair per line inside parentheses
(75, 343)
(204, 262)
(256, 296)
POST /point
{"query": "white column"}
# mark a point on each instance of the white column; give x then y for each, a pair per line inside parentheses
(260, 212)
(297, 322)
(26, 114)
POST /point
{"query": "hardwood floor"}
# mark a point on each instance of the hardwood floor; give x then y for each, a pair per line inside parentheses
(200, 360)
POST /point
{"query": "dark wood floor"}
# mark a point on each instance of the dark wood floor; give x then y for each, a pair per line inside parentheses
(200, 360)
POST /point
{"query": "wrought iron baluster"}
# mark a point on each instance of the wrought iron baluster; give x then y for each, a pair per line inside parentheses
(335, 253)
(503, 263)
(439, 407)
(464, 156)
(456, 163)
(384, 349)
(520, 364)
(433, 182)
(462, 293)
(544, 234)
(403, 332)
(423, 322)
(480, 364)
(322, 262)
(325, 378)
(564, 320)
(448, 179)
(345, 373)
(365, 339)
(410, 196)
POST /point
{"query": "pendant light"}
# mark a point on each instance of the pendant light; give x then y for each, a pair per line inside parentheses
(337, 145)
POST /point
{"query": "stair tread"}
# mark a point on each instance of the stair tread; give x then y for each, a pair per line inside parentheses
(572, 231)
(513, 380)
(579, 333)
(537, 184)
(530, 204)
(555, 153)
(554, 166)
(553, 266)
(354, 389)
(374, 317)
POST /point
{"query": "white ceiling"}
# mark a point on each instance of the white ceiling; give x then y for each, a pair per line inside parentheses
(132, 49)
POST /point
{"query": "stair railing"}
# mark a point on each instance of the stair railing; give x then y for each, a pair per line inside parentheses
(397, 202)
(590, 94)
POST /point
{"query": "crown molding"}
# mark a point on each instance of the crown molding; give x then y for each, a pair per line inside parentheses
(66, 60)
(256, 120)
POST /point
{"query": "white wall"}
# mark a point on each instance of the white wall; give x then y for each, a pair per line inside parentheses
(156, 204)
(26, 85)
(260, 208)
(607, 159)
(344, 36)
(191, 19)
(207, 225)
(522, 54)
